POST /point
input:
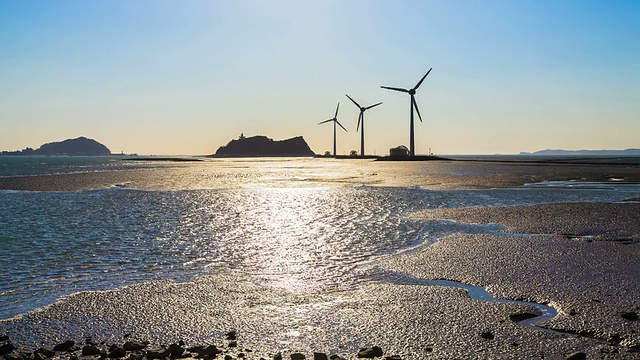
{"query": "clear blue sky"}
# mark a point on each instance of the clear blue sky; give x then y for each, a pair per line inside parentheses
(183, 77)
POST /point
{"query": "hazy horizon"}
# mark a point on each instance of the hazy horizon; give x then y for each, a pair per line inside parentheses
(165, 77)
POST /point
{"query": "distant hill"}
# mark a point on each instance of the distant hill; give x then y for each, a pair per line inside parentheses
(258, 146)
(79, 146)
(549, 152)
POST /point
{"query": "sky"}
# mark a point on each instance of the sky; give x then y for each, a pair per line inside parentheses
(184, 77)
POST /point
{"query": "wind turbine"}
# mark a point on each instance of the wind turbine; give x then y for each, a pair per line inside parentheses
(361, 118)
(413, 105)
(335, 121)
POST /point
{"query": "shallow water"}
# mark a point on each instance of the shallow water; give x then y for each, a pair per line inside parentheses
(39, 165)
(301, 239)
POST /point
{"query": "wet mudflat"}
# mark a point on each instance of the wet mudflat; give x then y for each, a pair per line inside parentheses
(579, 258)
(213, 174)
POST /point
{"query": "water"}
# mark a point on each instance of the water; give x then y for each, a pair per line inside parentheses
(302, 239)
(39, 165)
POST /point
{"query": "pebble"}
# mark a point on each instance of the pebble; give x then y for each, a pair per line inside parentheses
(297, 356)
(487, 335)
(578, 355)
(629, 315)
(320, 356)
(6, 348)
(135, 345)
(175, 350)
(65, 346)
(89, 350)
(370, 353)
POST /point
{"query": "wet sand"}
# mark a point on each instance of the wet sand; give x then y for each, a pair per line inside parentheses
(580, 258)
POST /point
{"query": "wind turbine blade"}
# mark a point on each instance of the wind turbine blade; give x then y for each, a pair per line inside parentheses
(415, 105)
(358, 105)
(337, 107)
(421, 80)
(326, 121)
(359, 117)
(343, 128)
(372, 106)
(394, 88)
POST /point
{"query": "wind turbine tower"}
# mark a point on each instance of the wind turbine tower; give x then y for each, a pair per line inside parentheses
(335, 121)
(413, 105)
(361, 118)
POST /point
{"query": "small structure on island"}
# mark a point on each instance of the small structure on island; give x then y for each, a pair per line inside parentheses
(399, 152)
(353, 153)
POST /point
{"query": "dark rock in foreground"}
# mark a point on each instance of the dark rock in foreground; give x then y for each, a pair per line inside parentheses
(138, 350)
(629, 315)
(258, 146)
(370, 353)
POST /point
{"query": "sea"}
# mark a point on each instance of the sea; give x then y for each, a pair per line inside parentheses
(303, 239)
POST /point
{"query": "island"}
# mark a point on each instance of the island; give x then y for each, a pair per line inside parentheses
(81, 146)
(262, 146)
(557, 152)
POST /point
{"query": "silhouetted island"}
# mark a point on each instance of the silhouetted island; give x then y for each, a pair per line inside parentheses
(81, 146)
(259, 146)
(557, 152)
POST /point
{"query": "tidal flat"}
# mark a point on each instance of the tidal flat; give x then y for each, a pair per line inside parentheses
(570, 242)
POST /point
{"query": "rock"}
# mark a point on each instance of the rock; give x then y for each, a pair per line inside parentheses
(629, 315)
(6, 348)
(65, 346)
(297, 356)
(487, 335)
(241, 355)
(175, 350)
(135, 345)
(370, 353)
(90, 350)
(231, 335)
(336, 357)
(46, 352)
(228, 357)
(117, 352)
(277, 356)
(320, 356)
(4, 338)
(578, 355)
(136, 355)
(393, 357)
(521, 316)
(233, 343)
(89, 341)
(157, 353)
(615, 339)
(39, 356)
(14, 356)
(209, 351)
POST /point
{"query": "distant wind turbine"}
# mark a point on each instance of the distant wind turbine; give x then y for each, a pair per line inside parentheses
(413, 105)
(335, 121)
(361, 118)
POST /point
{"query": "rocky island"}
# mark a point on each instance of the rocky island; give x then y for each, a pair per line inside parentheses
(259, 146)
(81, 146)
